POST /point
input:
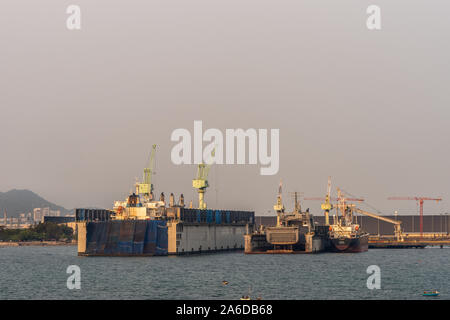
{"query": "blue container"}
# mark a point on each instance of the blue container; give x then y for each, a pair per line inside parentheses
(209, 216)
(218, 217)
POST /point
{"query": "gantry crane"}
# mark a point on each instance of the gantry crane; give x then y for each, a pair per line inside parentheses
(201, 183)
(397, 224)
(421, 200)
(146, 187)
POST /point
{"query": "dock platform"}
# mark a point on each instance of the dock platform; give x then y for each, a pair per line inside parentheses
(388, 242)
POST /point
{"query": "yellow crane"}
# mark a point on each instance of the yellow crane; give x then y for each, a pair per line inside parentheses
(201, 182)
(146, 187)
(327, 206)
(397, 224)
(279, 207)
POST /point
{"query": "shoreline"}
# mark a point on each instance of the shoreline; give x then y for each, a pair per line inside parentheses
(36, 243)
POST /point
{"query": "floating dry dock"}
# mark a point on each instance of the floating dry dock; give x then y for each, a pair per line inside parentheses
(175, 231)
(144, 226)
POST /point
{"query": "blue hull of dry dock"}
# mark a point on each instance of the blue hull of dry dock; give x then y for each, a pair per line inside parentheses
(126, 238)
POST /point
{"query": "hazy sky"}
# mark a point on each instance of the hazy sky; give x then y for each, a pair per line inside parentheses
(81, 109)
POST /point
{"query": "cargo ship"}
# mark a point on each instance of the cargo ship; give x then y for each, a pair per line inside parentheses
(295, 232)
(143, 226)
(346, 235)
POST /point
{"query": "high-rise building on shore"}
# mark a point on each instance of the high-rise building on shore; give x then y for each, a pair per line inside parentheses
(40, 213)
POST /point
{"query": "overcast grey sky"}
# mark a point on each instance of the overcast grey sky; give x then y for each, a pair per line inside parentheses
(81, 109)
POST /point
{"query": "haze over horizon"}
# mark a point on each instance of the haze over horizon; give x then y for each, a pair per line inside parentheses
(81, 109)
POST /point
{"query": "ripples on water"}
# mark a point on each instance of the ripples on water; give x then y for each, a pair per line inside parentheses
(40, 273)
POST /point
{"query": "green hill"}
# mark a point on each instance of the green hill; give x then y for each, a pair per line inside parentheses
(24, 201)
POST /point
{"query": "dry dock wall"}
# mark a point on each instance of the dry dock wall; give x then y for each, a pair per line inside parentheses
(185, 238)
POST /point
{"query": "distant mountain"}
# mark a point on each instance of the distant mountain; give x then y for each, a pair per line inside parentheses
(24, 201)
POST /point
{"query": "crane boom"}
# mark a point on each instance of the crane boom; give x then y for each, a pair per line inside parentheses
(149, 171)
(373, 215)
(333, 199)
(397, 227)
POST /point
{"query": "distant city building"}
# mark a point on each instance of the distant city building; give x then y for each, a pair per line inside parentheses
(37, 214)
(55, 213)
(40, 213)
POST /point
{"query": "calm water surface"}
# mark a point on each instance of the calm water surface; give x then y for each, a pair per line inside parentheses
(40, 273)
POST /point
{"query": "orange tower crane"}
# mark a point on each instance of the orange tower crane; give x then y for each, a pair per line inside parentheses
(421, 200)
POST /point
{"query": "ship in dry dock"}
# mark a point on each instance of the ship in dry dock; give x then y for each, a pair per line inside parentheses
(143, 226)
(295, 232)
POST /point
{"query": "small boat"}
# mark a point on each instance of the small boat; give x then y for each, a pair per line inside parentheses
(434, 293)
(224, 282)
(245, 298)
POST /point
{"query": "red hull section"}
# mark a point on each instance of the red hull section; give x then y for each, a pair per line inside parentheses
(347, 245)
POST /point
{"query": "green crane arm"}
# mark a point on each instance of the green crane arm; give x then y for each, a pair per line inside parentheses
(203, 169)
(148, 172)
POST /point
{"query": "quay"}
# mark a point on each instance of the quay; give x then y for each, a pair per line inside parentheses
(410, 241)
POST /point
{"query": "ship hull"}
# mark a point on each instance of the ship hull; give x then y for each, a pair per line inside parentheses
(257, 243)
(350, 245)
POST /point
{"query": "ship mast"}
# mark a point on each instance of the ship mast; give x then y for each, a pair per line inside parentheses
(279, 207)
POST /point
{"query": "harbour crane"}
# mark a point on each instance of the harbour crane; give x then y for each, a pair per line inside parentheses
(326, 205)
(201, 182)
(420, 200)
(397, 224)
(146, 187)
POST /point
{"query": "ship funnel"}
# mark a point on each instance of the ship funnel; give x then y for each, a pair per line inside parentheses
(171, 200)
(181, 203)
(161, 197)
